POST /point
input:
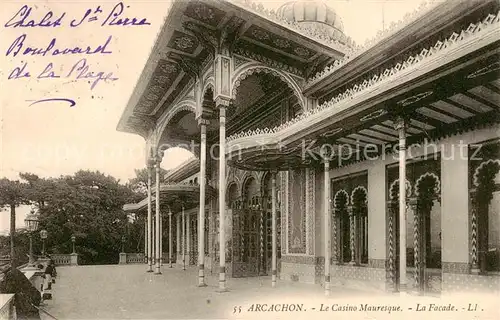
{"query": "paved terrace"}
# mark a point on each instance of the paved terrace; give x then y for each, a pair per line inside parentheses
(128, 292)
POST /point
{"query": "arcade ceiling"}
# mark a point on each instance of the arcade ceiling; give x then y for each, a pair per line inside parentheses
(179, 56)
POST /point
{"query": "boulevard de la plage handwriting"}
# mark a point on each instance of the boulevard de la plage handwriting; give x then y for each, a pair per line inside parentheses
(28, 17)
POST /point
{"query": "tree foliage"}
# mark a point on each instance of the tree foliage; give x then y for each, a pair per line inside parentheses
(139, 184)
(89, 206)
(12, 195)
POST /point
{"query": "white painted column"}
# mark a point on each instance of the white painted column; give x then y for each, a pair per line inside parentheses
(153, 250)
(327, 217)
(161, 238)
(146, 240)
(222, 198)
(150, 220)
(158, 221)
(201, 217)
(170, 248)
(178, 237)
(401, 128)
(183, 239)
(188, 239)
(274, 230)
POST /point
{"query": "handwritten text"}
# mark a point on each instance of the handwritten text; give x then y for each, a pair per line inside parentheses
(116, 17)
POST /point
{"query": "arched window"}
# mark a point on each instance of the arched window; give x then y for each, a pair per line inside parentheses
(484, 164)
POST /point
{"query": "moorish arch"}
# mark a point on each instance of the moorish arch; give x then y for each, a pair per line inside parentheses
(394, 190)
(208, 84)
(485, 220)
(181, 108)
(232, 177)
(251, 68)
(232, 194)
(341, 226)
(250, 187)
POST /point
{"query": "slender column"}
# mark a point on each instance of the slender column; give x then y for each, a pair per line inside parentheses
(274, 231)
(401, 128)
(418, 253)
(327, 216)
(188, 239)
(222, 198)
(170, 238)
(352, 235)
(158, 218)
(474, 239)
(178, 237)
(161, 239)
(392, 245)
(201, 218)
(334, 244)
(153, 241)
(146, 240)
(183, 239)
(150, 220)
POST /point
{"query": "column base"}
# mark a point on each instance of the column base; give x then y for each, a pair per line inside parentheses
(403, 290)
(202, 285)
(222, 290)
(475, 271)
(158, 273)
(149, 271)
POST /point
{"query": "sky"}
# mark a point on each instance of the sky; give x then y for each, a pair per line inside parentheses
(51, 138)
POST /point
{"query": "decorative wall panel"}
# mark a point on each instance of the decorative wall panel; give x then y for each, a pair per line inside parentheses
(297, 212)
(310, 209)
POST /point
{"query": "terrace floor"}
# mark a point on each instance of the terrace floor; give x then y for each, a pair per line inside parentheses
(128, 292)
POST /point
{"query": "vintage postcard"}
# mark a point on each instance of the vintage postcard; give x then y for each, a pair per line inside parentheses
(236, 159)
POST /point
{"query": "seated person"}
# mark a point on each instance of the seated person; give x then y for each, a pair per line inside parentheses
(27, 298)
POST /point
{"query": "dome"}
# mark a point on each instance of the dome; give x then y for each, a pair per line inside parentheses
(316, 15)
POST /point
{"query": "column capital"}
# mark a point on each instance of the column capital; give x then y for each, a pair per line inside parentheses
(401, 121)
(150, 163)
(222, 102)
(203, 122)
(413, 203)
(349, 210)
(158, 158)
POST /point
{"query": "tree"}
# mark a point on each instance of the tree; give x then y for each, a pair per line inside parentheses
(88, 205)
(140, 183)
(38, 190)
(12, 195)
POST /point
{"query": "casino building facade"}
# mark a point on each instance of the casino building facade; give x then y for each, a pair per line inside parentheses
(301, 138)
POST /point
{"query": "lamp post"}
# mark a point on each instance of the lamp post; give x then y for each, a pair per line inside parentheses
(31, 222)
(73, 239)
(123, 243)
(43, 236)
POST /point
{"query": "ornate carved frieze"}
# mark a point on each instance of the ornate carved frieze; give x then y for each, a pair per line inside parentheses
(239, 61)
(183, 42)
(164, 75)
(382, 34)
(272, 40)
(218, 41)
(188, 65)
(246, 50)
(205, 13)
